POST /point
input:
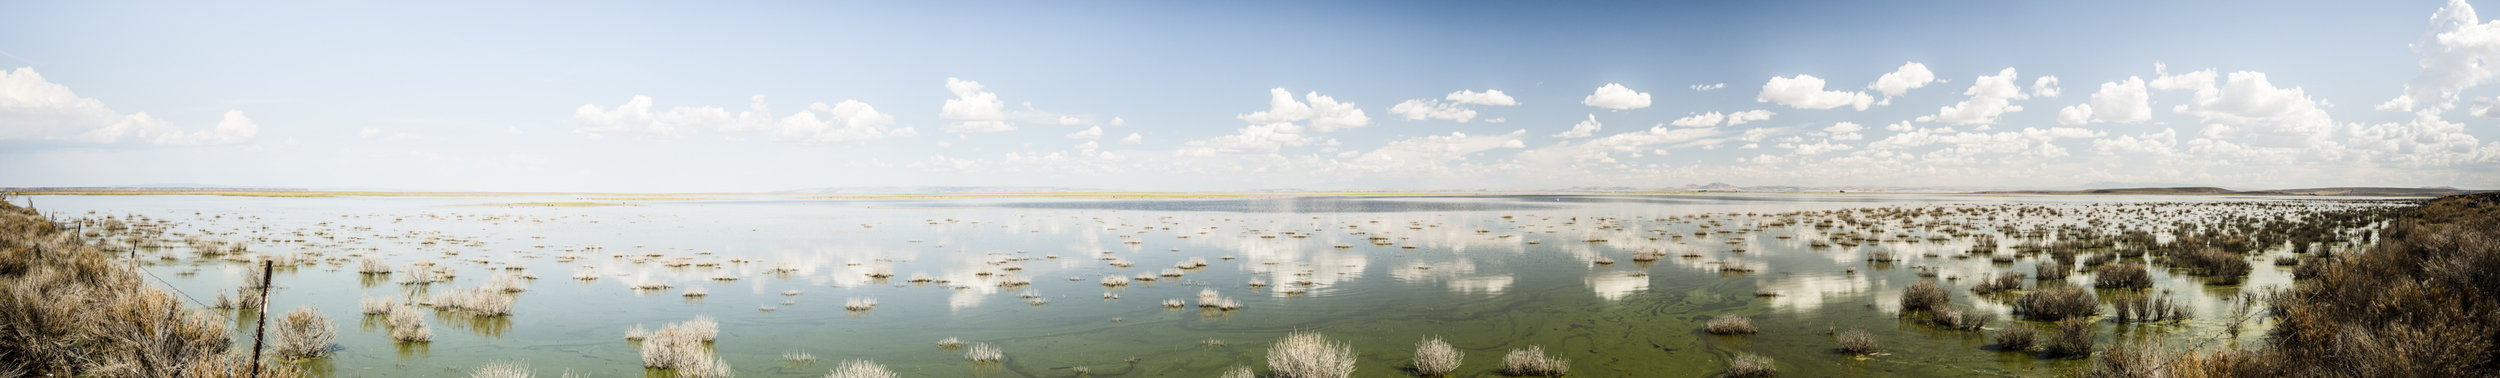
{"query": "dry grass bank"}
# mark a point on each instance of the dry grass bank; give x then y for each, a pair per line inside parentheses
(2424, 302)
(67, 309)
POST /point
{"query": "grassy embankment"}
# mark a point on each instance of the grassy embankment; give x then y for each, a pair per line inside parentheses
(2424, 302)
(68, 309)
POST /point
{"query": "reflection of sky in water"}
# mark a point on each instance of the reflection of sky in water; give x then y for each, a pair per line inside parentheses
(1614, 286)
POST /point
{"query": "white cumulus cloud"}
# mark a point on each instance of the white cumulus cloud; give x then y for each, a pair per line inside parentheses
(1583, 129)
(1616, 97)
(35, 108)
(1321, 113)
(1433, 109)
(1806, 92)
(1490, 97)
(1910, 76)
(973, 110)
(2457, 53)
(1990, 97)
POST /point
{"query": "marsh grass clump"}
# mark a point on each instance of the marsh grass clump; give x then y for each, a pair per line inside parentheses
(2074, 338)
(798, 357)
(950, 343)
(1648, 255)
(2215, 264)
(1749, 365)
(302, 334)
(1306, 354)
(2147, 308)
(1958, 319)
(2057, 303)
(502, 370)
(1239, 372)
(2049, 270)
(374, 305)
(860, 369)
(408, 325)
(1730, 325)
(679, 348)
(2122, 276)
(859, 304)
(1114, 281)
(1999, 283)
(1434, 357)
(372, 265)
(983, 352)
(1858, 341)
(1532, 361)
(1924, 296)
(477, 301)
(2017, 338)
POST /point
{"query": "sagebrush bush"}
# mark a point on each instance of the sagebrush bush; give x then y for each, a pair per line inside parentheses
(2074, 338)
(303, 333)
(1924, 296)
(1532, 361)
(1749, 365)
(2017, 337)
(1305, 354)
(2122, 276)
(1436, 357)
(1857, 341)
(1730, 325)
(2057, 303)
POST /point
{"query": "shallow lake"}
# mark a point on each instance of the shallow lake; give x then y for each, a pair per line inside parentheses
(1486, 273)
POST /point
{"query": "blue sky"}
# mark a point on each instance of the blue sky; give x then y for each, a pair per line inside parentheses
(544, 96)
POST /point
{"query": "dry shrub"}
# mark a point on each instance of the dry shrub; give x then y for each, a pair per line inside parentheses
(1729, 325)
(2017, 338)
(2056, 303)
(1436, 357)
(303, 333)
(2074, 338)
(1306, 354)
(1749, 365)
(1532, 361)
(2122, 276)
(1858, 341)
(1999, 284)
(1924, 296)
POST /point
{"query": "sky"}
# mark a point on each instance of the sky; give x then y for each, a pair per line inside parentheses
(650, 96)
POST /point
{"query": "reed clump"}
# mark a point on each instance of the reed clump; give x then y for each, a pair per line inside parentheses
(1307, 354)
(2074, 338)
(1998, 284)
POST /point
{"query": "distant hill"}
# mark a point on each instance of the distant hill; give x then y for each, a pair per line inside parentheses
(2188, 190)
(942, 189)
(149, 188)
